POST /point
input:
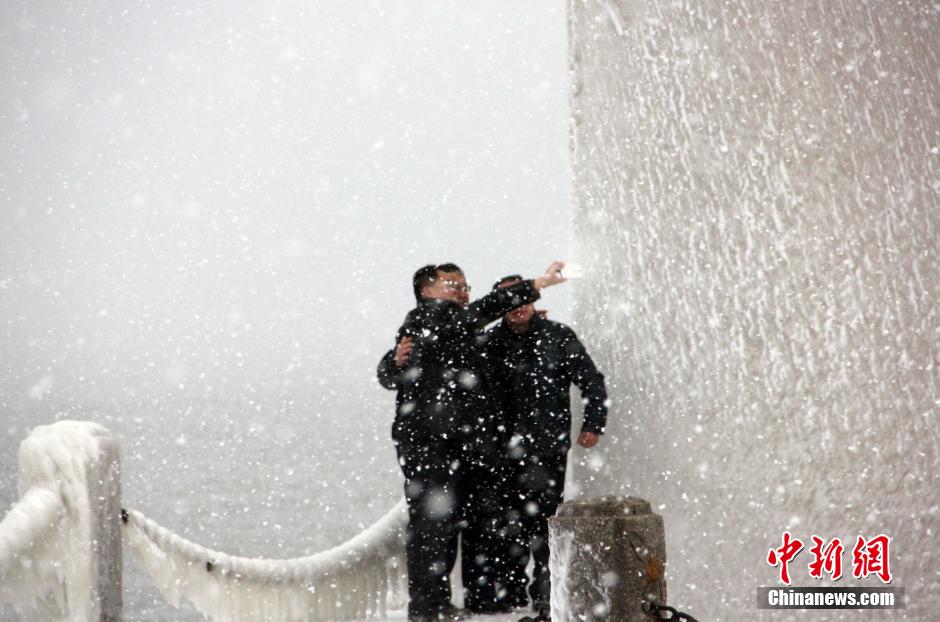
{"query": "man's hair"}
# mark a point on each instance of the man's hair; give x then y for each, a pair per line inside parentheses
(449, 267)
(507, 279)
(425, 275)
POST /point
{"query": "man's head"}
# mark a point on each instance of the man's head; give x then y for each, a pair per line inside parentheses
(519, 317)
(441, 282)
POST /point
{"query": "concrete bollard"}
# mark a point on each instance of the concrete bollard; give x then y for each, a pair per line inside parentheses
(608, 556)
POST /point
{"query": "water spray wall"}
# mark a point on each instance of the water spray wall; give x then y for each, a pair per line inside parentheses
(757, 188)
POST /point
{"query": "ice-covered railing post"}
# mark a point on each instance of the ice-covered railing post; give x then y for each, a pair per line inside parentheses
(60, 545)
(607, 558)
(60, 550)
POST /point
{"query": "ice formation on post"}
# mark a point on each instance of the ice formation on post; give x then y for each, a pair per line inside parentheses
(607, 558)
(55, 561)
(756, 187)
(30, 537)
(348, 582)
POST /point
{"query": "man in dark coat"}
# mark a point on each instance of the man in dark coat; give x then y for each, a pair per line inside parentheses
(447, 435)
(535, 362)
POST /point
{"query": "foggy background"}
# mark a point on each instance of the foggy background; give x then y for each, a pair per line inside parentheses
(208, 198)
(209, 218)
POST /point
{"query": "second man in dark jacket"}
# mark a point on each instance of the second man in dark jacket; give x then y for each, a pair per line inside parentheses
(535, 361)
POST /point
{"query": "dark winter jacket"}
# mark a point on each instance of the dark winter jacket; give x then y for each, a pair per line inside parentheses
(444, 392)
(535, 370)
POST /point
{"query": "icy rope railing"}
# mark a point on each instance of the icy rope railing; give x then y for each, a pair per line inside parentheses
(60, 550)
(28, 528)
(348, 582)
(59, 545)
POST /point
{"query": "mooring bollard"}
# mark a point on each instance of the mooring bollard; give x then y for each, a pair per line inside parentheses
(608, 557)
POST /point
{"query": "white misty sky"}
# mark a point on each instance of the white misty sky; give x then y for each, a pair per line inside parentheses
(229, 197)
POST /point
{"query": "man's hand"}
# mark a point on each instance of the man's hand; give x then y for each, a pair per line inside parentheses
(588, 439)
(551, 277)
(403, 351)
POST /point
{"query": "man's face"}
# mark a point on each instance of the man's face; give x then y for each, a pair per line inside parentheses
(448, 286)
(520, 316)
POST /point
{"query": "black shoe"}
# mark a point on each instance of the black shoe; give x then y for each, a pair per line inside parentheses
(543, 615)
(451, 613)
(447, 613)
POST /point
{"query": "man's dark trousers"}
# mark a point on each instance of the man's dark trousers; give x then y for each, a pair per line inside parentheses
(534, 493)
(430, 492)
(483, 534)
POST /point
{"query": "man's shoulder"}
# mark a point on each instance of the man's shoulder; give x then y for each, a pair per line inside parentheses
(562, 335)
(426, 307)
(430, 312)
(411, 318)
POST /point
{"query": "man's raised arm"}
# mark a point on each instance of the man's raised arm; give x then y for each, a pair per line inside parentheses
(501, 301)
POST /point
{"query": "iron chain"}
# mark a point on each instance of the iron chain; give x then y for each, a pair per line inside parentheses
(660, 611)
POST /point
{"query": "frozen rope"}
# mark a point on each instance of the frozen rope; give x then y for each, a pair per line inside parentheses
(348, 582)
(26, 534)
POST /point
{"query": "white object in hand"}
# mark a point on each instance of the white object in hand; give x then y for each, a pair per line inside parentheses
(572, 270)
